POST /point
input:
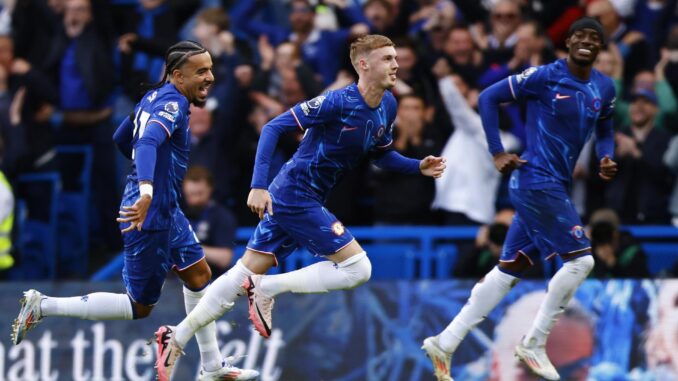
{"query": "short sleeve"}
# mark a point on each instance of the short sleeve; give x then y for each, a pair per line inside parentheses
(315, 112)
(529, 83)
(166, 114)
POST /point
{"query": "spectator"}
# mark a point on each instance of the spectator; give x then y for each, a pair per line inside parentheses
(146, 33)
(466, 192)
(400, 198)
(27, 97)
(671, 161)
(80, 61)
(432, 15)
(630, 43)
(382, 17)
(504, 22)
(465, 58)
(617, 254)
(283, 76)
(230, 55)
(612, 65)
(6, 222)
(671, 70)
(207, 151)
(413, 78)
(245, 151)
(319, 47)
(530, 49)
(640, 191)
(214, 225)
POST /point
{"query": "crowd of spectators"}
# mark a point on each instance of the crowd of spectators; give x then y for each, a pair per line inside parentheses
(71, 70)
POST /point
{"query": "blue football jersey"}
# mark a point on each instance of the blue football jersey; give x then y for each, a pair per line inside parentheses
(163, 111)
(339, 130)
(562, 113)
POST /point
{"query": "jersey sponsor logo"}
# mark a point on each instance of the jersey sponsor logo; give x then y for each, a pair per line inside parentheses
(338, 228)
(562, 96)
(152, 96)
(316, 102)
(167, 116)
(526, 73)
(597, 104)
(172, 107)
(305, 109)
(577, 232)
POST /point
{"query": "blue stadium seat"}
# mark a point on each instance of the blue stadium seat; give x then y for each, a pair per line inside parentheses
(37, 226)
(661, 256)
(392, 261)
(74, 214)
(444, 260)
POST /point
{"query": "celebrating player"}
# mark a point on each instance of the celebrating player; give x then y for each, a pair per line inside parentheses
(156, 234)
(566, 101)
(340, 127)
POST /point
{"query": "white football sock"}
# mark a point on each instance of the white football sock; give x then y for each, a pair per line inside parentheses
(218, 299)
(206, 337)
(560, 290)
(96, 306)
(320, 277)
(485, 295)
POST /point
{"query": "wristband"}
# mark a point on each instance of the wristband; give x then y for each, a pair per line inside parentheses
(146, 189)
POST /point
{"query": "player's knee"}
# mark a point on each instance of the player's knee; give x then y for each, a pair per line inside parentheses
(358, 268)
(582, 264)
(199, 280)
(141, 311)
(519, 266)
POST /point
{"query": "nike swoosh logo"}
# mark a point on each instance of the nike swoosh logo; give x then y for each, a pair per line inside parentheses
(261, 317)
(169, 353)
(348, 128)
(558, 96)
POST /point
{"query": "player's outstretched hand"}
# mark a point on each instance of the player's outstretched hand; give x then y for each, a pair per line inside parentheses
(608, 168)
(506, 162)
(135, 214)
(259, 201)
(432, 166)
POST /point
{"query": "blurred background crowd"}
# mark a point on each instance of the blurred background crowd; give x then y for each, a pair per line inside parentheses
(71, 71)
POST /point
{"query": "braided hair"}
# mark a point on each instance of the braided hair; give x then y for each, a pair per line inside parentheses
(175, 57)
